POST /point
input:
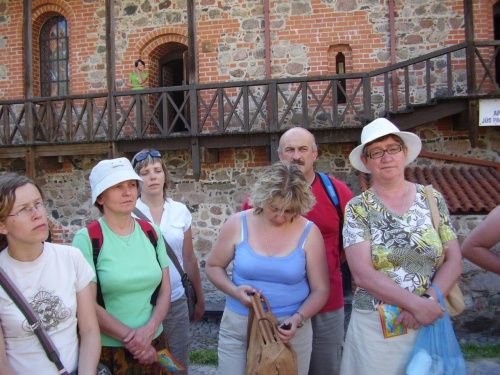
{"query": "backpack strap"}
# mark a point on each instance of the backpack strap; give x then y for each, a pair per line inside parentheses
(332, 194)
(97, 240)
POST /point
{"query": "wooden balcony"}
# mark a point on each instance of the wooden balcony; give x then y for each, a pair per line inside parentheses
(251, 113)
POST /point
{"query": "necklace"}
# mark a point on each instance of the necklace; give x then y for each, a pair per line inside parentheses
(266, 237)
(130, 235)
(404, 198)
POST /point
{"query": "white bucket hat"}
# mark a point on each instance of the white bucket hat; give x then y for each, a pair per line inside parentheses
(377, 129)
(108, 173)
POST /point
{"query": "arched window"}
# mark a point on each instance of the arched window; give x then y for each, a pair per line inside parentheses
(54, 57)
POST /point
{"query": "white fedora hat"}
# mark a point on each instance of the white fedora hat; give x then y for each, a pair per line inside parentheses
(108, 173)
(379, 128)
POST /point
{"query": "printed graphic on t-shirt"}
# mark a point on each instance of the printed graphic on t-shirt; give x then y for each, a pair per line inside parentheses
(50, 309)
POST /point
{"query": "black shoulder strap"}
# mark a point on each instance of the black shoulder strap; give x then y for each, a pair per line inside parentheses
(34, 322)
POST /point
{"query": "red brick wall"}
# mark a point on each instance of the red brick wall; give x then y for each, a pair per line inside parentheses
(364, 31)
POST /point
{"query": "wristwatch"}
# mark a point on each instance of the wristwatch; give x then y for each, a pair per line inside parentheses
(301, 317)
(428, 296)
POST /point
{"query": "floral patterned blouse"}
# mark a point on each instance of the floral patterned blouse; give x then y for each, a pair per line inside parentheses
(404, 247)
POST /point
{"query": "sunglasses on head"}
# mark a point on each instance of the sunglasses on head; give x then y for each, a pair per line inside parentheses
(143, 155)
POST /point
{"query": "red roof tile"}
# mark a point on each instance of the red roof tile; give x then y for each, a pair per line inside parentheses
(466, 189)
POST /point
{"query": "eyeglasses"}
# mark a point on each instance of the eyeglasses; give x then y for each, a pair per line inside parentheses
(28, 211)
(378, 153)
(143, 155)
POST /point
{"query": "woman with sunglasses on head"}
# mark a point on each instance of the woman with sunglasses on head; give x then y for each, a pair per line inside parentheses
(392, 249)
(174, 221)
(132, 273)
(55, 281)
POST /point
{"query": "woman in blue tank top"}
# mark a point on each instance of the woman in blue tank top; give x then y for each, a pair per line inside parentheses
(277, 252)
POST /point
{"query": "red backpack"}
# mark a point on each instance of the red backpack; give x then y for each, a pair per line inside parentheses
(97, 239)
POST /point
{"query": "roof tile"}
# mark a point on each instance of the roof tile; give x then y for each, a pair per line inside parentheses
(465, 189)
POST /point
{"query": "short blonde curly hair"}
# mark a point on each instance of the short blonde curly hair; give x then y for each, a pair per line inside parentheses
(283, 182)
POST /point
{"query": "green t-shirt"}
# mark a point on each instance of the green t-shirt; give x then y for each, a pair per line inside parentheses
(135, 80)
(128, 273)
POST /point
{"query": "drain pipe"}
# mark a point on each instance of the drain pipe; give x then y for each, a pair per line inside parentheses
(394, 78)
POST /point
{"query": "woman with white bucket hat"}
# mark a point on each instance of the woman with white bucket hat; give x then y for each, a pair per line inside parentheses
(129, 269)
(392, 250)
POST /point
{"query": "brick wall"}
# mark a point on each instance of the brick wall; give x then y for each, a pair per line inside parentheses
(230, 36)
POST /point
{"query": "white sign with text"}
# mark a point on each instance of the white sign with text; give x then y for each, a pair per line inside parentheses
(489, 112)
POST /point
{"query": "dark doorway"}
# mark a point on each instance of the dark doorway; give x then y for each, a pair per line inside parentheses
(496, 28)
(173, 73)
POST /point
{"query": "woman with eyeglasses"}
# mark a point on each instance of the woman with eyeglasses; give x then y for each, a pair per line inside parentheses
(132, 273)
(174, 221)
(392, 249)
(54, 279)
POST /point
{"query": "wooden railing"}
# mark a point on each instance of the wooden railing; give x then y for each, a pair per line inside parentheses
(263, 106)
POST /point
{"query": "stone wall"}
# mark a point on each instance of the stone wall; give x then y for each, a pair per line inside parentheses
(224, 185)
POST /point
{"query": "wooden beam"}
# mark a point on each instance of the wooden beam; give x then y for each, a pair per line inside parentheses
(192, 47)
(30, 162)
(28, 49)
(195, 158)
(111, 65)
(28, 68)
(460, 159)
(55, 150)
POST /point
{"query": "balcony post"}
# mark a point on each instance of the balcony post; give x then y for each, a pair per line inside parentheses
(471, 72)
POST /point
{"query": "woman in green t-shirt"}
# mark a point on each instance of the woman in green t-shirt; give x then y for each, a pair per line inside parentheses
(129, 269)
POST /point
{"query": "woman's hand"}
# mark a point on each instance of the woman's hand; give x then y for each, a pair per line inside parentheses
(288, 328)
(242, 293)
(139, 340)
(428, 311)
(149, 357)
(407, 319)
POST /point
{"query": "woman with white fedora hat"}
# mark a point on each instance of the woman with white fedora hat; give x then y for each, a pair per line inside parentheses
(129, 268)
(392, 250)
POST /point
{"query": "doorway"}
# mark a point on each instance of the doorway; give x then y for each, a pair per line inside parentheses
(173, 72)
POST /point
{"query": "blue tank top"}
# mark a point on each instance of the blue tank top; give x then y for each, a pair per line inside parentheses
(282, 280)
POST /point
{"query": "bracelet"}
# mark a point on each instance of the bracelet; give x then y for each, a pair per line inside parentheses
(301, 317)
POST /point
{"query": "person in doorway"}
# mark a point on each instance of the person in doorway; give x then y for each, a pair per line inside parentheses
(393, 249)
(137, 81)
(478, 243)
(174, 220)
(139, 77)
(298, 146)
(276, 252)
(132, 273)
(54, 279)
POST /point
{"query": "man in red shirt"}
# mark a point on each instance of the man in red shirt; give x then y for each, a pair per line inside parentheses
(297, 145)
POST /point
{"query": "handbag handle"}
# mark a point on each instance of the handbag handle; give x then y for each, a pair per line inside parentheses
(436, 219)
(35, 324)
(433, 208)
(266, 328)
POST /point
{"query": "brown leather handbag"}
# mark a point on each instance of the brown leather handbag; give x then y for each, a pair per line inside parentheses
(266, 353)
(454, 301)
